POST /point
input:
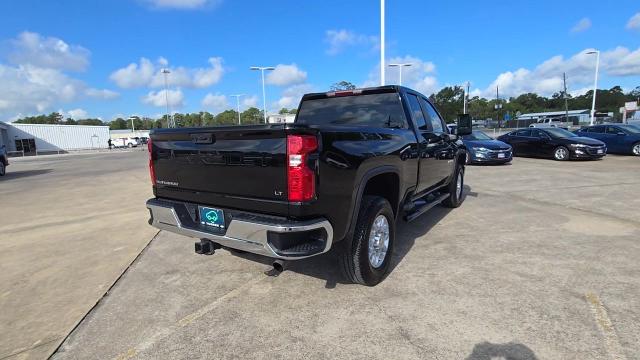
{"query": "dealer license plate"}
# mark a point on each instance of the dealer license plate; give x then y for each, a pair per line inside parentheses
(211, 217)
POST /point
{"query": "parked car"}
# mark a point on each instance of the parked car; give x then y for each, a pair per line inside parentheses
(340, 176)
(549, 123)
(482, 148)
(4, 160)
(125, 142)
(554, 143)
(619, 138)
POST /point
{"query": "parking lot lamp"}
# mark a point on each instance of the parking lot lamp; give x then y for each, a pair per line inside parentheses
(382, 67)
(264, 96)
(166, 96)
(595, 85)
(399, 65)
(237, 96)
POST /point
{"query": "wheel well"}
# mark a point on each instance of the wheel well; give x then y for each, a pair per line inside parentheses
(386, 185)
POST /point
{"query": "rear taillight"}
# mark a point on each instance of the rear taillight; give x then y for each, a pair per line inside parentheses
(300, 177)
(152, 169)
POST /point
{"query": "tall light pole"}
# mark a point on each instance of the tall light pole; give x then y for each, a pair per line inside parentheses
(400, 65)
(382, 67)
(465, 95)
(237, 96)
(595, 85)
(133, 127)
(264, 96)
(166, 72)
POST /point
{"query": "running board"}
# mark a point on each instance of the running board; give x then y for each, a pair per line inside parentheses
(425, 207)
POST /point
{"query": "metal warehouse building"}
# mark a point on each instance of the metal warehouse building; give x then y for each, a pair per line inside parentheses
(32, 139)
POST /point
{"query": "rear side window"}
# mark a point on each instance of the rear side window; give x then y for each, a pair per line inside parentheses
(375, 110)
(522, 133)
(433, 117)
(613, 130)
(416, 112)
(597, 129)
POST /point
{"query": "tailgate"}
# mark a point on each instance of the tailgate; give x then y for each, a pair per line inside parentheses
(241, 166)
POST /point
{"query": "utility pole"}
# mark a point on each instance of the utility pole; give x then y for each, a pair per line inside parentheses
(498, 106)
(382, 66)
(566, 102)
(595, 85)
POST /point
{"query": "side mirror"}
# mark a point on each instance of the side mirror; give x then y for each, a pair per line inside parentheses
(464, 125)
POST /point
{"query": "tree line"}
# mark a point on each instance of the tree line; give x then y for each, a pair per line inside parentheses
(250, 116)
(449, 101)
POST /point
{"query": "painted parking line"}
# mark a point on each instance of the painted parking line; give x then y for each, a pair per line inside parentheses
(611, 340)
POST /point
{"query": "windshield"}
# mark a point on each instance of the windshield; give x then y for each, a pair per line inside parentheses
(477, 135)
(560, 133)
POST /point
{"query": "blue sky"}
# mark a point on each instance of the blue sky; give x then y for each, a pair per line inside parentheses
(102, 58)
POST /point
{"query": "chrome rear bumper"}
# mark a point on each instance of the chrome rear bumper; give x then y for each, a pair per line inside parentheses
(244, 231)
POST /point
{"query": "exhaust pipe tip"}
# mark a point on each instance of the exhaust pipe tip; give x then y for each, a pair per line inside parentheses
(278, 265)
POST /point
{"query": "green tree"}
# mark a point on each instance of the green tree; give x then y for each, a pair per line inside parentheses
(252, 116)
(118, 124)
(342, 85)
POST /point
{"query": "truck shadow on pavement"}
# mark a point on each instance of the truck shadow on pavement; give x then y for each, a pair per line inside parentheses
(509, 351)
(24, 173)
(326, 266)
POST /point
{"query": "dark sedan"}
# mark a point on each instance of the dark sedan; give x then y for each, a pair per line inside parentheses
(621, 139)
(482, 148)
(555, 143)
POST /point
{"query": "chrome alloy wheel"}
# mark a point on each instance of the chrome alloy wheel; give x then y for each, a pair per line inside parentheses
(378, 241)
(459, 185)
(561, 154)
(636, 149)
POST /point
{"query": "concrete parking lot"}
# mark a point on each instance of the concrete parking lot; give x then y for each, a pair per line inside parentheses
(69, 226)
(540, 262)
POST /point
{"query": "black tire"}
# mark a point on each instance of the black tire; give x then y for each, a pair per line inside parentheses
(2, 168)
(635, 149)
(129, 145)
(456, 195)
(558, 151)
(354, 253)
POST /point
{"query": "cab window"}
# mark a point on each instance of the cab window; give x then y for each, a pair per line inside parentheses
(416, 112)
(432, 116)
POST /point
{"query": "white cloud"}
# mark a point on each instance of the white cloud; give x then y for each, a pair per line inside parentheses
(634, 22)
(284, 75)
(339, 40)
(216, 102)
(77, 114)
(148, 74)
(47, 52)
(182, 4)
(159, 98)
(102, 93)
(28, 89)
(582, 25)
(546, 78)
(291, 96)
(418, 76)
(251, 101)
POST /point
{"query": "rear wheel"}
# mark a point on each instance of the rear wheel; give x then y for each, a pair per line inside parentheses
(455, 189)
(636, 149)
(365, 258)
(2, 168)
(561, 153)
(130, 145)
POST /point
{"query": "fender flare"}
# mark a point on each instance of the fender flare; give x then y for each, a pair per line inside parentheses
(356, 198)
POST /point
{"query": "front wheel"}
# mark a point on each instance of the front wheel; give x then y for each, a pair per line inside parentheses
(636, 149)
(2, 168)
(561, 153)
(365, 258)
(455, 189)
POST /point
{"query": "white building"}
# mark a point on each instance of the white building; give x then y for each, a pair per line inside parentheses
(281, 118)
(33, 139)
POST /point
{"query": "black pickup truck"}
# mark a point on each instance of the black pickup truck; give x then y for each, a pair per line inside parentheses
(352, 164)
